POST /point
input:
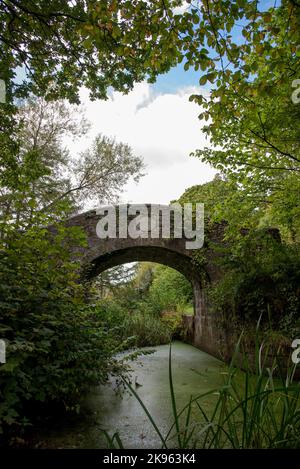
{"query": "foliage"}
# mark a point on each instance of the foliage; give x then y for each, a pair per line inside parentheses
(170, 290)
(251, 121)
(137, 328)
(249, 53)
(247, 50)
(146, 330)
(46, 179)
(225, 200)
(144, 276)
(133, 40)
(260, 271)
(56, 345)
(36, 174)
(62, 47)
(174, 322)
(144, 308)
(104, 169)
(212, 194)
(149, 287)
(109, 282)
(252, 117)
(261, 278)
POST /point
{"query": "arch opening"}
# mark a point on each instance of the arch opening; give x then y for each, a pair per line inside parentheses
(160, 288)
(155, 254)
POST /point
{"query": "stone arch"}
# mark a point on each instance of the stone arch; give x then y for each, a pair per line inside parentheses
(101, 254)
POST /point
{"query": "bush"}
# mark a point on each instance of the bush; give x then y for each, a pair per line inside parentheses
(138, 328)
(262, 278)
(170, 289)
(146, 330)
(56, 345)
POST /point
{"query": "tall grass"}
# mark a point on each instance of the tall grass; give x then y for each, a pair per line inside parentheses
(146, 330)
(253, 409)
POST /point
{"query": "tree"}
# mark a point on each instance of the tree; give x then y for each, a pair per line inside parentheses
(258, 138)
(107, 282)
(118, 43)
(225, 200)
(41, 178)
(245, 48)
(260, 271)
(40, 172)
(212, 194)
(57, 346)
(252, 122)
(144, 276)
(104, 169)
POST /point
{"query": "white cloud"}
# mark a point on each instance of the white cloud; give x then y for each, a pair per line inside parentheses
(181, 9)
(163, 129)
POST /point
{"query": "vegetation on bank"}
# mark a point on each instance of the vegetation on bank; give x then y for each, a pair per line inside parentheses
(147, 308)
(63, 336)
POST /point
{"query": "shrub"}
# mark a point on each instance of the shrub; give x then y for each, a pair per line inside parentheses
(170, 289)
(262, 278)
(146, 330)
(56, 345)
(138, 328)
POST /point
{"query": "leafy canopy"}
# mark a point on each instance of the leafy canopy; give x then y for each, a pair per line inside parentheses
(63, 46)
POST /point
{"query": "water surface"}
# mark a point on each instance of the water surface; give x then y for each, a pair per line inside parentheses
(194, 372)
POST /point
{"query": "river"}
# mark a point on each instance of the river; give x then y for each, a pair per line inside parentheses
(194, 372)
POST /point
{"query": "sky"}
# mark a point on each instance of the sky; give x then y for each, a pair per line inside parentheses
(162, 127)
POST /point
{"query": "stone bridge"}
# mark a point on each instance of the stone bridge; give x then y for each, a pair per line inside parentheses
(102, 254)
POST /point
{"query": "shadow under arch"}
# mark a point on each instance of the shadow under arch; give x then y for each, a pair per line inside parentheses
(160, 255)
